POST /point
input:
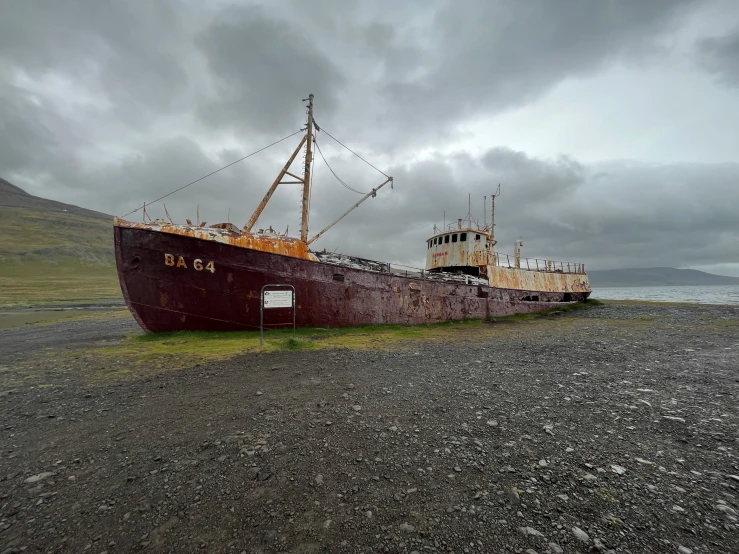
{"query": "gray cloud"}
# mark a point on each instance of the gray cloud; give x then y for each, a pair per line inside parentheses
(720, 55)
(109, 104)
(261, 61)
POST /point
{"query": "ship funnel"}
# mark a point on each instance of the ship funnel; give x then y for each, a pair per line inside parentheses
(459, 224)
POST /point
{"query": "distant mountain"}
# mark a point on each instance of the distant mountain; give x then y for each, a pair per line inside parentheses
(656, 276)
(53, 252)
(12, 196)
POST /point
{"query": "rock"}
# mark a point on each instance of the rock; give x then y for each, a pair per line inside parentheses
(318, 479)
(530, 531)
(513, 497)
(357, 408)
(253, 472)
(327, 524)
(543, 463)
(144, 507)
(674, 418)
(264, 475)
(590, 477)
(368, 514)
(39, 477)
(259, 393)
(554, 548)
(725, 509)
(407, 527)
(619, 470)
(580, 534)
(677, 508)
(492, 423)
(563, 497)
(684, 550)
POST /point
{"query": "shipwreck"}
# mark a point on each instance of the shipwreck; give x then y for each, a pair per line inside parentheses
(210, 277)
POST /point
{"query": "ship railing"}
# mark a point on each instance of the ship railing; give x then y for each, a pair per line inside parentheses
(511, 261)
(400, 270)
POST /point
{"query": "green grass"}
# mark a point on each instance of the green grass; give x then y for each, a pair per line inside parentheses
(25, 231)
(55, 258)
(33, 282)
(589, 303)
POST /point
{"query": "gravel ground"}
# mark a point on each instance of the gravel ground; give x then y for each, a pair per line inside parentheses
(611, 430)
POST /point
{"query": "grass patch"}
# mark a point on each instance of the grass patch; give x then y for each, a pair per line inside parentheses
(554, 311)
(53, 257)
(141, 354)
(34, 282)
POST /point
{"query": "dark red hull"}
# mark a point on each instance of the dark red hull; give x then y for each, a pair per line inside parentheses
(170, 298)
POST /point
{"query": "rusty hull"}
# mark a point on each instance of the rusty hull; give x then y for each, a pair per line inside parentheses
(168, 285)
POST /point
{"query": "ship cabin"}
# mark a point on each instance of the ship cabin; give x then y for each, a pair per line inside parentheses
(463, 250)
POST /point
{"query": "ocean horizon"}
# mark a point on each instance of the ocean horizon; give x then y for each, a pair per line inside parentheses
(703, 294)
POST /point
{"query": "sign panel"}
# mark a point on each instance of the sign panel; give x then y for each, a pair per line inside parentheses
(278, 299)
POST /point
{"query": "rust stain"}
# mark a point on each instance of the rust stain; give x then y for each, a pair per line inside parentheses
(229, 234)
(230, 277)
(163, 299)
(522, 279)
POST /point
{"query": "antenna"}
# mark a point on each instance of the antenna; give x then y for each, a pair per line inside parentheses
(485, 210)
(492, 214)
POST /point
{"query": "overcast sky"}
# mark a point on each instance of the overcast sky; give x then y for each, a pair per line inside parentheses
(611, 125)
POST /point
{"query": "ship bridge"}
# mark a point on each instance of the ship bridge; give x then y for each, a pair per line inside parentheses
(463, 249)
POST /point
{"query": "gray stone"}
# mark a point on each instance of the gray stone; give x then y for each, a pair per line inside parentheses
(39, 477)
(580, 534)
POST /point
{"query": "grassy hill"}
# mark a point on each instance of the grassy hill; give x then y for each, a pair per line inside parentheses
(656, 276)
(52, 252)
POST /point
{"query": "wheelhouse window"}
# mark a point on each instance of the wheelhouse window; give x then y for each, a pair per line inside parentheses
(477, 237)
(462, 237)
(454, 237)
(446, 239)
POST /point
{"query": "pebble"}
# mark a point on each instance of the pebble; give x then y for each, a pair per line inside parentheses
(580, 534)
(492, 423)
(318, 479)
(357, 407)
(530, 531)
(39, 477)
(259, 393)
(619, 470)
(407, 527)
(684, 550)
(554, 548)
(543, 463)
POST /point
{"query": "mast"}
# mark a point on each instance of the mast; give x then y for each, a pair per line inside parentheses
(306, 177)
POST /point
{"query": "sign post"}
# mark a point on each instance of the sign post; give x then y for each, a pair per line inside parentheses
(275, 299)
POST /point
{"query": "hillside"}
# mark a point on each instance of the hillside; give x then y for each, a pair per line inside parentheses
(52, 252)
(656, 276)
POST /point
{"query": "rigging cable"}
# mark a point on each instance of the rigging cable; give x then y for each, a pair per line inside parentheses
(216, 171)
(334, 173)
(353, 152)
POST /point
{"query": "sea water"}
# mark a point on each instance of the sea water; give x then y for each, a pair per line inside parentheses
(716, 294)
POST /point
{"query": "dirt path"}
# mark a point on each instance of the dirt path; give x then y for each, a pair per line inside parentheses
(609, 430)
